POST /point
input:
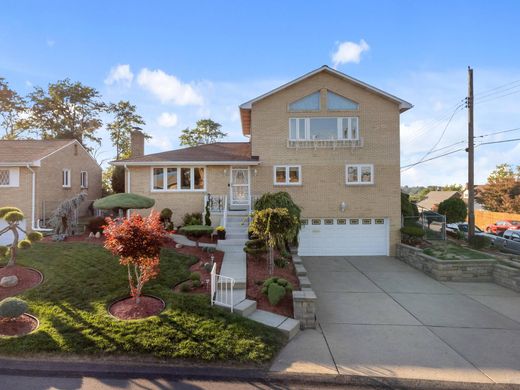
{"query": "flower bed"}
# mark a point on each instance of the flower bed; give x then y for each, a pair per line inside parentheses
(257, 272)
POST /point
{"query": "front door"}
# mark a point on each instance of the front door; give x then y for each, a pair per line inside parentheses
(239, 186)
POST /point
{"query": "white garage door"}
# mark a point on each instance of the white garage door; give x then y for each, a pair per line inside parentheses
(344, 237)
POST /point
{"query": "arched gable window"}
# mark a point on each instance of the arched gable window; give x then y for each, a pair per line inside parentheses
(336, 102)
(308, 103)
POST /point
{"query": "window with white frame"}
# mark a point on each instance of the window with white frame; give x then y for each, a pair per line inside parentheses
(324, 128)
(360, 174)
(337, 102)
(5, 175)
(308, 103)
(287, 175)
(65, 178)
(83, 179)
(178, 179)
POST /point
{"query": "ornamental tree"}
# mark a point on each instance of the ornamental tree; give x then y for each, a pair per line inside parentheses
(454, 209)
(137, 241)
(13, 216)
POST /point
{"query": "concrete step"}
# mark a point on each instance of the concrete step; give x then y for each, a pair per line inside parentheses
(239, 295)
(236, 225)
(245, 308)
(234, 242)
(289, 326)
(232, 236)
(236, 231)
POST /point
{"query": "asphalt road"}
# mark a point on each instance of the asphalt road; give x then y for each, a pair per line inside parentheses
(11, 382)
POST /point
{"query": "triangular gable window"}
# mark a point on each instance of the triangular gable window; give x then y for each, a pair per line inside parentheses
(308, 103)
(336, 102)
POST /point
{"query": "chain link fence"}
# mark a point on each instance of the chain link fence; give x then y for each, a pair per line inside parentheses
(433, 224)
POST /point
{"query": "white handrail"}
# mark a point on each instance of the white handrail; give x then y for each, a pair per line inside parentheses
(224, 217)
(221, 289)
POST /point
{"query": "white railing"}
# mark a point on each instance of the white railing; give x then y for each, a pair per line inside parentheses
(325, 143)
(224, 216)
(216, 203)
(221, 289)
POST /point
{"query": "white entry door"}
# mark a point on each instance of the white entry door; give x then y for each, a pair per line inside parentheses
(239, 186)
(344, 237)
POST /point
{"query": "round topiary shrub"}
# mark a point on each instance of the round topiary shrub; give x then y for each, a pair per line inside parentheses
(412, 235)
(454, 209)
(166, 215)
(24, 244)
(34, 236)
(195, 276)
(275, 289)
(12, 307)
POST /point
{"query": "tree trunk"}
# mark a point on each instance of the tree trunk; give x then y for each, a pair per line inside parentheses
(14, 247)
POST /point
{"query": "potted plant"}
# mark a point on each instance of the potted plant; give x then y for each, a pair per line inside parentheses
(221, 232)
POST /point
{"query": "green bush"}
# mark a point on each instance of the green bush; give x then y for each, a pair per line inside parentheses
(256, 248)
(281, 262)
(412, 234)
(24, 244)
(192, 219)
(195, 276)
(275, 289)
(34, 236)
(96, 224)
(196, 283)
(12, 307)
(454, 209)
(479, 242)
(185, 287)
(4, 251)
(409, 210)
(166, 215)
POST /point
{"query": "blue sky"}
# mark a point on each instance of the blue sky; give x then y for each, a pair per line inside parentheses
(180, 61)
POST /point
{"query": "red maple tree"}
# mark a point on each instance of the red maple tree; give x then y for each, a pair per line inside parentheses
(137, 241)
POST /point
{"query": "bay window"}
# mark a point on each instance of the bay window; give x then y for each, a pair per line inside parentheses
(359, 174)
(178, 179)
(324, 128)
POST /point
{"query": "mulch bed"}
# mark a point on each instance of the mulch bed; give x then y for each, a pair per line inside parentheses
(257, 272)
(18, 326)
(77, 238)
(127, 309)
(27, 278)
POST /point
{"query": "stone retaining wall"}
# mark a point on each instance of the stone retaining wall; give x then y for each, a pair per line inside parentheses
(304, 301)
(508, 277)
(447, 270)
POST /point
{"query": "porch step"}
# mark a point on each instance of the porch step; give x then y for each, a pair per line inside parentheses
(232, 236)
(235, 230)
(239, 295)
(289, 326)
(245, 308)
(233, 242)
(236, 224)
(240, 213)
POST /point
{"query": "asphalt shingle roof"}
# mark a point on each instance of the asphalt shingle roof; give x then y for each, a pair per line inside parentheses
(24, 151)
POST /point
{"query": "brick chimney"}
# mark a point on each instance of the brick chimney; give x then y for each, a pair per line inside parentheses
(137, 143)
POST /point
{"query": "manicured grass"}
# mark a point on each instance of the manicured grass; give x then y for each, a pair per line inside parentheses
(449, 251)
(82, 279)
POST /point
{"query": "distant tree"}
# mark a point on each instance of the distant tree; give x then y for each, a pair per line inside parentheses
(12, 106)
(117, 180)
(137, 241)
(453, 187)
(421, 195)
(125, 121)
(454, 209)
(67, 110)
(205, 132)
(502, 190)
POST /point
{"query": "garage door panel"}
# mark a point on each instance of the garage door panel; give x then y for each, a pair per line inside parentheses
(344, 240)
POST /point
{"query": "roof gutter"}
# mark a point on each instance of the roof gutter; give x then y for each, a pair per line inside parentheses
(154, 163)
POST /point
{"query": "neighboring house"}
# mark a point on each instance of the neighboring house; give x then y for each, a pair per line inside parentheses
(329, 140)
(465, 197)
(36, 175)
(434, 198)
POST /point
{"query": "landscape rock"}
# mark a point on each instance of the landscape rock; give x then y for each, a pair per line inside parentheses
(98, 235)
(178, 246)
(9, 281)
(91, 235)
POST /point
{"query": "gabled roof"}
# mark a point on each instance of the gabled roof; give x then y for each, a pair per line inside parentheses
(209, 154)
(245, 108)
(29, 152)
(433, 198)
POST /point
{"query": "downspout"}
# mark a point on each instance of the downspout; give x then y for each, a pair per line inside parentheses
(127, 171)
(35, 227)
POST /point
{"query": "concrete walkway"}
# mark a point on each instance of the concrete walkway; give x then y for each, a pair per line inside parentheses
(379, 317)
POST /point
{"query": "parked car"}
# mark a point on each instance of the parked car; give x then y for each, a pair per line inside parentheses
(499, 227)
(453, 228)
(509, 242)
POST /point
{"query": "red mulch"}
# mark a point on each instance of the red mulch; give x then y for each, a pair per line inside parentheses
(257, 272)
(127, 309)
(18, 326)
(27, 278)
(78, 238)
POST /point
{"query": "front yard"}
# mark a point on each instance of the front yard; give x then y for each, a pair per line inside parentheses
(446, 250)
(82, 279)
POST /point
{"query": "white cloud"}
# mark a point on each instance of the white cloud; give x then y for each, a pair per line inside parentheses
(168, 88)
(50, 42)
(167, 119)
(120, 74)
(349, 52)
(160, 142)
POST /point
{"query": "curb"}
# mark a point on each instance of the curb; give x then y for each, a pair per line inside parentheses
(117, 370)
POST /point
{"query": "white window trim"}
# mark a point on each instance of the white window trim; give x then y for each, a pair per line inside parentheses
(359, 182)
(287, 182)
(65, 183)
(192, 179)
(339, 123)
(83, 183)
(14, 177)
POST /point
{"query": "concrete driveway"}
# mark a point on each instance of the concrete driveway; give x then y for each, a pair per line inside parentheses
(380, 317)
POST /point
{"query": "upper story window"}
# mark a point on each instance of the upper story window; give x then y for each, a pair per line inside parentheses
(359, 174)
(325, 128)
(336, 102)
(83, 178)
(178, 179)
(307, 103)
(65, 178)
(287, 175)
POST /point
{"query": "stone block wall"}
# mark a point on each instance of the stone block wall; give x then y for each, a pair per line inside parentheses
(508, 277)
(304, 301)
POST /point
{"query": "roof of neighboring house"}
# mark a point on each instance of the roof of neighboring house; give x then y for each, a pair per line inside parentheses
(245, 108)
(435, 197)
(29, 152)
(218, 152)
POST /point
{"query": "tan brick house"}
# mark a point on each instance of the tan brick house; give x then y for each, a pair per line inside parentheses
(36, 175)
(329, 140)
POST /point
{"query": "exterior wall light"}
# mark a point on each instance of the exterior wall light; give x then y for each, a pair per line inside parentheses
(342, 207)
(225, 172)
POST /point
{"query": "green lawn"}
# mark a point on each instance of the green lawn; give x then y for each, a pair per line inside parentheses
(449, 251)
(81, 279)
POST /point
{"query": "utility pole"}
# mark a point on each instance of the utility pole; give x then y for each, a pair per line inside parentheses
(471, 156)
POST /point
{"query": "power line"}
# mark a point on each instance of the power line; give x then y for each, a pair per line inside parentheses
(488, 91)
(498, 132)
(498, 142)
(496, 97)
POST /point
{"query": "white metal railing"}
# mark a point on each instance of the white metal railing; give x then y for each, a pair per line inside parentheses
(216, 203)
(221, 289)
(224, 216)
(325, 143)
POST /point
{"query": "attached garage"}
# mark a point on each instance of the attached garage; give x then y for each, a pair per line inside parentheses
(344, 237)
